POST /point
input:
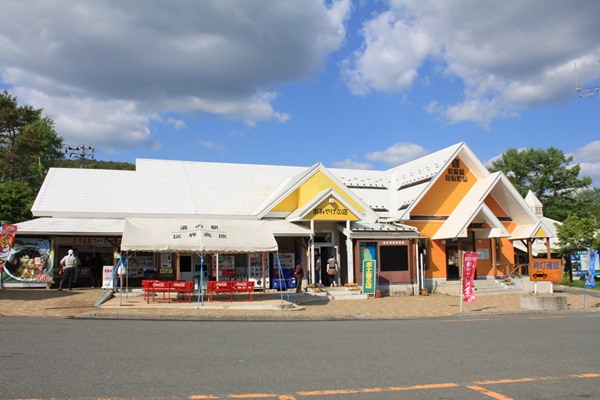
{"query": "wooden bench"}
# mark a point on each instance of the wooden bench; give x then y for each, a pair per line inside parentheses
(218, 287)
(244, 287)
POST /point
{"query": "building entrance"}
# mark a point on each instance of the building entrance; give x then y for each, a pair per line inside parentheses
(452, 261)
(322, 254)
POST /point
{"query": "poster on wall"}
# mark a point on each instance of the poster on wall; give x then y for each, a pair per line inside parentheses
(7, 237)
(29, 261)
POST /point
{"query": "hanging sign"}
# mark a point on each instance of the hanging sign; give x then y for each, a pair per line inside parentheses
(369, 271)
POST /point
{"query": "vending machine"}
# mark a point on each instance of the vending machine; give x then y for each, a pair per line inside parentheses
(223, 267)
(286, 281)
(255, 270)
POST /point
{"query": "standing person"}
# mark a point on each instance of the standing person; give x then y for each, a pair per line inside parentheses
(298, 274)
(332, 270)
(69, 264)
(97, 265)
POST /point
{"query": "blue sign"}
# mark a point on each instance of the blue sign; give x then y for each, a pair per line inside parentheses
(591, 272)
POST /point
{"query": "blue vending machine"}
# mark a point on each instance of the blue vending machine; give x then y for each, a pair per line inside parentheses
(287, 267)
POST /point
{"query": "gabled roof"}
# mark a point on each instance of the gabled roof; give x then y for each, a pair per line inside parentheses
(302, 212)
(413, 180)
(472, 208)
(293, 183)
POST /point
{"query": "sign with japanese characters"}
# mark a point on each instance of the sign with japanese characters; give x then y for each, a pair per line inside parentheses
(369, 269)
(468, 276)
(546, 270)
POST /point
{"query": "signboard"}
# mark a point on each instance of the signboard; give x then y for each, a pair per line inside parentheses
(546, 270)
(107, 275)
(369, 270)
(468, 276)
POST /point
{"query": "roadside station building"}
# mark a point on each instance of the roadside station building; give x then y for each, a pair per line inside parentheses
(413, 220)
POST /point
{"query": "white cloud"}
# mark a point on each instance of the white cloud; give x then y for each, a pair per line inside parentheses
(509, 54)
(106, 69)
(207, 144)
(588, 158)
(397, 154)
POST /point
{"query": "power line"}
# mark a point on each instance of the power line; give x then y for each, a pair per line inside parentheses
(82, 152)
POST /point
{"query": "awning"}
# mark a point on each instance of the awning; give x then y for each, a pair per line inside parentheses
(197, 235)
(72, 226)
(281, 227)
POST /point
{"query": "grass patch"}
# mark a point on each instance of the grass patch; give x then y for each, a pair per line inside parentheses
(578, 283)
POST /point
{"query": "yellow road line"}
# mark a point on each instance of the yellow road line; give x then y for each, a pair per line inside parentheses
(540, 378)
(476, 386)
(489, 393)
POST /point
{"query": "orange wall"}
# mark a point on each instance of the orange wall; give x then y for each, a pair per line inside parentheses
(444, 195)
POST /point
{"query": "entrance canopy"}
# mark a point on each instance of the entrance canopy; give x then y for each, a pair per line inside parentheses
(197, 235)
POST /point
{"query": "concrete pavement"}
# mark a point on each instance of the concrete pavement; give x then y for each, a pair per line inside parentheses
(81, 303)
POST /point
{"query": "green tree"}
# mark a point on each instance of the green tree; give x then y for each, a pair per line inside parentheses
(28, 142)
(16, 199)
(549, 174)
(28, 147)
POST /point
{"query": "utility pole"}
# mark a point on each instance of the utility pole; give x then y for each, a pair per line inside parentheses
(82, 152)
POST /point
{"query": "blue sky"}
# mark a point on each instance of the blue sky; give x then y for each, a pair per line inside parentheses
(357, 84)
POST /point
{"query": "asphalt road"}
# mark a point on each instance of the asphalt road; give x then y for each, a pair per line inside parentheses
(546, 356)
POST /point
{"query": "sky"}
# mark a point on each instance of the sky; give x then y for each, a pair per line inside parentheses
(366, 84)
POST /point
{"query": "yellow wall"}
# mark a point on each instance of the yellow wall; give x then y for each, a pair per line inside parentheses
(315, 184)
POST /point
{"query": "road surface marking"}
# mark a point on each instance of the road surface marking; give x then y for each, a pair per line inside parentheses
(489, 393)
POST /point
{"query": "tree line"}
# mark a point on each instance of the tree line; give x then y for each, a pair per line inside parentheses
(30, 145)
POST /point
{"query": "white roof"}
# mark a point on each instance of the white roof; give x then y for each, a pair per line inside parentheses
(176, 189)
(72, 226)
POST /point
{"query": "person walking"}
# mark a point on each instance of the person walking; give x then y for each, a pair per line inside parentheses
(69, 264)
(332, 267)
(298, 274)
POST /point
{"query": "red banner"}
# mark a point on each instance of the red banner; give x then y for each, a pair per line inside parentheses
(7, 238)
(469, 267)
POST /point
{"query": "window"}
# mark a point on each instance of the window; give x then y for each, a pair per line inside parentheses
(393, 258)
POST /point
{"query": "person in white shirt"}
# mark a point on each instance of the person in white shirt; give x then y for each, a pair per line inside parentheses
(69, 264)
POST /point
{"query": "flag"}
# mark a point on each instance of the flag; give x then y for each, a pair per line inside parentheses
(469, 267)
(7, 238)
(592, 271)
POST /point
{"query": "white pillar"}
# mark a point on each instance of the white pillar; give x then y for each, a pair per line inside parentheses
(417, 265)
(311, 260)
(349, 254)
